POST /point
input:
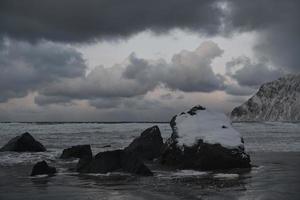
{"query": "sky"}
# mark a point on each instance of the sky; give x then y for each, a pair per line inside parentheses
(140, 60)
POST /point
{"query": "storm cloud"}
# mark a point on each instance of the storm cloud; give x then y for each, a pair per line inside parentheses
(251, 74)
(276, 22)
(82, 21)
(26, 67)
(278, 27)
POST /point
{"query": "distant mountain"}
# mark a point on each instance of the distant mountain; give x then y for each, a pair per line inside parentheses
(278, 100)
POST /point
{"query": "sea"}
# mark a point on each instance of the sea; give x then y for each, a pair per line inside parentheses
(274, 149)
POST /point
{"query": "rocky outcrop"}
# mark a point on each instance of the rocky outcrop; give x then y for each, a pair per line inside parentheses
(23, 143)
(133, 164)
(78, 151)
(148, 145)
(203, 140)
(278, 100)
(104, 162)
(117, 160)
(42, 168)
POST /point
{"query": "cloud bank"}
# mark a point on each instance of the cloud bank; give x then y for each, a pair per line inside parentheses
(188, 71)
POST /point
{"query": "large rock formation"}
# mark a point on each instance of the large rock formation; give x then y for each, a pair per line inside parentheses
(148, 145)
(117, 160)
(203, 140)
(23, 143)
(42, 168)
(278, 100)
(145, 147)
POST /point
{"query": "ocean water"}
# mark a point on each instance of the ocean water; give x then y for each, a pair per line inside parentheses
(274, 150)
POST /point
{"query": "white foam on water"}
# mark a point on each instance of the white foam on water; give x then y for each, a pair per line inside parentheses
(189, 173)
(13, 158)
(226, 176)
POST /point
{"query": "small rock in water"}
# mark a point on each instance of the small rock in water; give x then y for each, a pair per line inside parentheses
(78, 151)
(103, 162)
(148, 145)
(23, 143)
(42, 168)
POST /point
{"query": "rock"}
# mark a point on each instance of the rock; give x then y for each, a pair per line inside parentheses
(204, 140)
(104, 162)
(275, 101)
(133, 164)
(117, 160)
(148, 145)
(23, 143)
(42, 168)
(78, 151)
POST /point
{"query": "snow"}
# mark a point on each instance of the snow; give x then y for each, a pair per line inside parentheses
(208, 126)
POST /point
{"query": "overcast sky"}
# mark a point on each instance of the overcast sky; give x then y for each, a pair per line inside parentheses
(140, 60)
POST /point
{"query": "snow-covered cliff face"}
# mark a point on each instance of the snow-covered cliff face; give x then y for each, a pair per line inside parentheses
(278, 100)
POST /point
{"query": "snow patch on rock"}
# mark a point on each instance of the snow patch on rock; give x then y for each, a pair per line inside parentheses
(210, 126)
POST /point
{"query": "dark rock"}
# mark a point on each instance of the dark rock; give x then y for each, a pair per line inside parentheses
(133, 164)
(203, 156)
(23, 143)
(148, 145)
(103, 162)
(116, 160)
(79, 151)
(42, 168)
(193, 110)
(83, 164)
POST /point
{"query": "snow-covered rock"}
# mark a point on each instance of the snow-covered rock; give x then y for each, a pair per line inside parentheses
(204, 140)
(210, 126)
(278, 100)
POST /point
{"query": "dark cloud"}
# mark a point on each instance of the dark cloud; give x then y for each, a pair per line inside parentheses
(251, 74)
(189, 71)
(26, 67)
(276, 22)
(81, 21)
(278, 27)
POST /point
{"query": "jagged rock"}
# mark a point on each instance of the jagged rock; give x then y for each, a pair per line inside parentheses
(104, 162)
(23, 143)
(117, 160)
(133, 164)
(278, 100)
(78, 151)
(203, 140)
(148, 145)
(42, 168)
